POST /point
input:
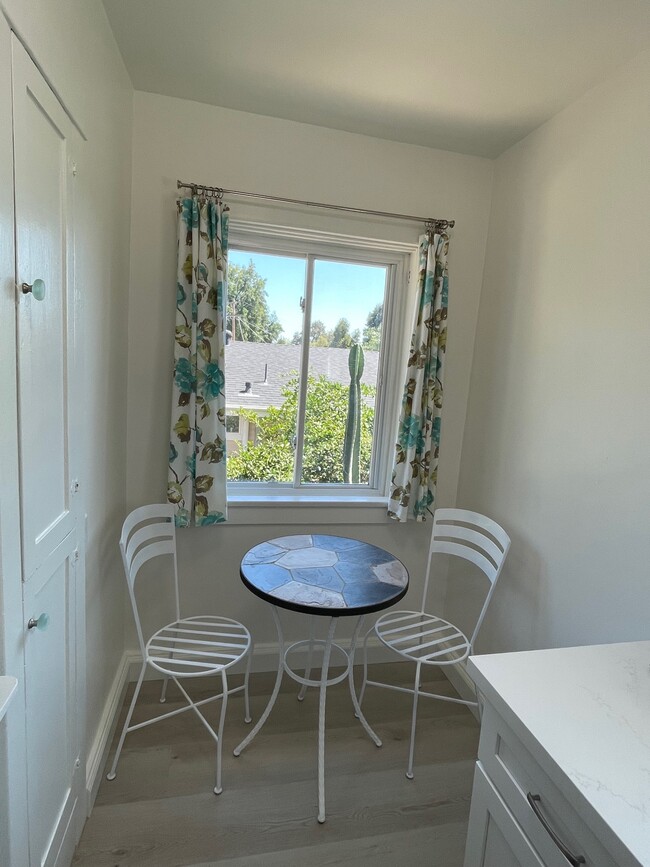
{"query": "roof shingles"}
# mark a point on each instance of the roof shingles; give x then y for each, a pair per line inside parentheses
(246, 362)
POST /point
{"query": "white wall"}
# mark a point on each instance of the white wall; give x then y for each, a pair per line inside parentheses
(73, 45)
(176, 138)
(556, 440)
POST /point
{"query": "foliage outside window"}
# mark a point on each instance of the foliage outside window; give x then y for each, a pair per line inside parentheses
(272, 457)
(305, 361)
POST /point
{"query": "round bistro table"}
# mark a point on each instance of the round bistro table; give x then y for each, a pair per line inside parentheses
(322, 576)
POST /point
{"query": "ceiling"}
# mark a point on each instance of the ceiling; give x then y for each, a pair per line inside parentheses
(472, 76)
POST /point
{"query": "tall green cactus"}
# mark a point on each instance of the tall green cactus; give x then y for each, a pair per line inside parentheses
(352, 438)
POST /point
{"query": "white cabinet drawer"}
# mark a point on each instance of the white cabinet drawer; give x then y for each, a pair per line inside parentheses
(518, 777)
(494, 838)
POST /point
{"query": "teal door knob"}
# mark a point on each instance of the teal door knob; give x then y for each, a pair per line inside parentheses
(37, 288)
(39, 622)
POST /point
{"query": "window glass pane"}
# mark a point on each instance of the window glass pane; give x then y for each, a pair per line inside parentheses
(345, 333)
(262, 363)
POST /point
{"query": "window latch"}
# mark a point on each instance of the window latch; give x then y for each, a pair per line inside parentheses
(302, 304)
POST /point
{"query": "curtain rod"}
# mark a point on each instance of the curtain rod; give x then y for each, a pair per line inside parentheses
(430, 223)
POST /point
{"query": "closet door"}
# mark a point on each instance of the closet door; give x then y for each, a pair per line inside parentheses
(49, 446)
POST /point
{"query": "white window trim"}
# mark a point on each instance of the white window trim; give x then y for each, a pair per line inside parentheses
(279, 503)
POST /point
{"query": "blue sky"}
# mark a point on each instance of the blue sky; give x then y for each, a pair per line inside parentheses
(340, 289)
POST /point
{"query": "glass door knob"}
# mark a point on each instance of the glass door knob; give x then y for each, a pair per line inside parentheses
(37, 288)
(39, 622)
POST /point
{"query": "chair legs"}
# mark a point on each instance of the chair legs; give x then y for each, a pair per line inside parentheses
(218, 789)
(136, 693)
(247, 707)
(191, 705)
(416, 691)
(416, 694)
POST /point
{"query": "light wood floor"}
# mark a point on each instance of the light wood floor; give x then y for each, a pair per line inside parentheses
(160, 810)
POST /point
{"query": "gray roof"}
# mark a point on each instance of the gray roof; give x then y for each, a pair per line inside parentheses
(245, 362)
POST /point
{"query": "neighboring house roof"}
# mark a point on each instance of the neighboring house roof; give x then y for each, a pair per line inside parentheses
(248, 362)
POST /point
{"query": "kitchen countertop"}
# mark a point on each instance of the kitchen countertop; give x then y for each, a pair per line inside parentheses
(588, 709)
(7, 687)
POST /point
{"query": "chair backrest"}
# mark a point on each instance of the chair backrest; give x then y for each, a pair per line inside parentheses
(148, 532)
(473, 537)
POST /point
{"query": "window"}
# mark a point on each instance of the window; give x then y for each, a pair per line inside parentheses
(313, 345)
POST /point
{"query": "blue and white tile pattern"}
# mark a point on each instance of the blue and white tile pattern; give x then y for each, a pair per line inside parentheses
(328, 572)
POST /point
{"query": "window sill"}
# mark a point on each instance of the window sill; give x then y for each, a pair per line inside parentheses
(303, 509)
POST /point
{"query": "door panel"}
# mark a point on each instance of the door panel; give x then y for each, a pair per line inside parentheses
(42, 252)
(49, 685)
(48, 445)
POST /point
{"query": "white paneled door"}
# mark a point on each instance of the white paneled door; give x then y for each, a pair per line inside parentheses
(50, 500)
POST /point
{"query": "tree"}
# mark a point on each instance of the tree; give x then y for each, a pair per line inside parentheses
(372, 330)
(248, 315)
(341, 334)
(272, 456)
(375, 317)
(318, 335)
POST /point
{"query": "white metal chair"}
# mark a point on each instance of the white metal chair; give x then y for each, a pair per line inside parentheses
(186, 648)
(425, 638)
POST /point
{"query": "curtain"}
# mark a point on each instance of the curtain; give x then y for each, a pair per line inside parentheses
(415, 471)
(197, 445)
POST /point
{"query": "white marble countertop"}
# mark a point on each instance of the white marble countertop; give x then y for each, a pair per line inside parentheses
(7, 687)
(588, 709)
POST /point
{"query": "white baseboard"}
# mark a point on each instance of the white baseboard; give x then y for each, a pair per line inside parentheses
(104, 735)
(463, 684)
(265, 658)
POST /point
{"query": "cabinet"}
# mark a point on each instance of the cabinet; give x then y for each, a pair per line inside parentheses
(513, 793)
(559, 777)
(495, 839)
(42, 639)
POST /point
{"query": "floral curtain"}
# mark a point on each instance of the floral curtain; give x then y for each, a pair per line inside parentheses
(415, 471)
(197, 447)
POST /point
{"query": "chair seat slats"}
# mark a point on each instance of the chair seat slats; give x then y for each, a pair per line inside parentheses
(435, 643)
(189, 646)
(189, 621)
(421, 634)
(208, 666)
(188, 653)
(179, 630)
(173, 639)
(404, 626)
(451, 652)
(417, 625)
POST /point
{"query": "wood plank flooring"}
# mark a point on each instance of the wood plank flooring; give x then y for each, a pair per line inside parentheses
(160, 810)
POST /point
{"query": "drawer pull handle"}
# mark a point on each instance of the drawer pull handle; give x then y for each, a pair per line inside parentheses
(574, 860)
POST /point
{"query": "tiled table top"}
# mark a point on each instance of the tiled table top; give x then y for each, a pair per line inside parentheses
(329, 575)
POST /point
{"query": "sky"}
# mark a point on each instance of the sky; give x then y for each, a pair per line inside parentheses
(341, 289)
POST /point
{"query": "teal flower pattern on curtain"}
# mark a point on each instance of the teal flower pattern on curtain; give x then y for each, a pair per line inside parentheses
(197, 446)
(415, 471)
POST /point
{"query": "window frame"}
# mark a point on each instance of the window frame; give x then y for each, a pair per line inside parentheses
(398, 258)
